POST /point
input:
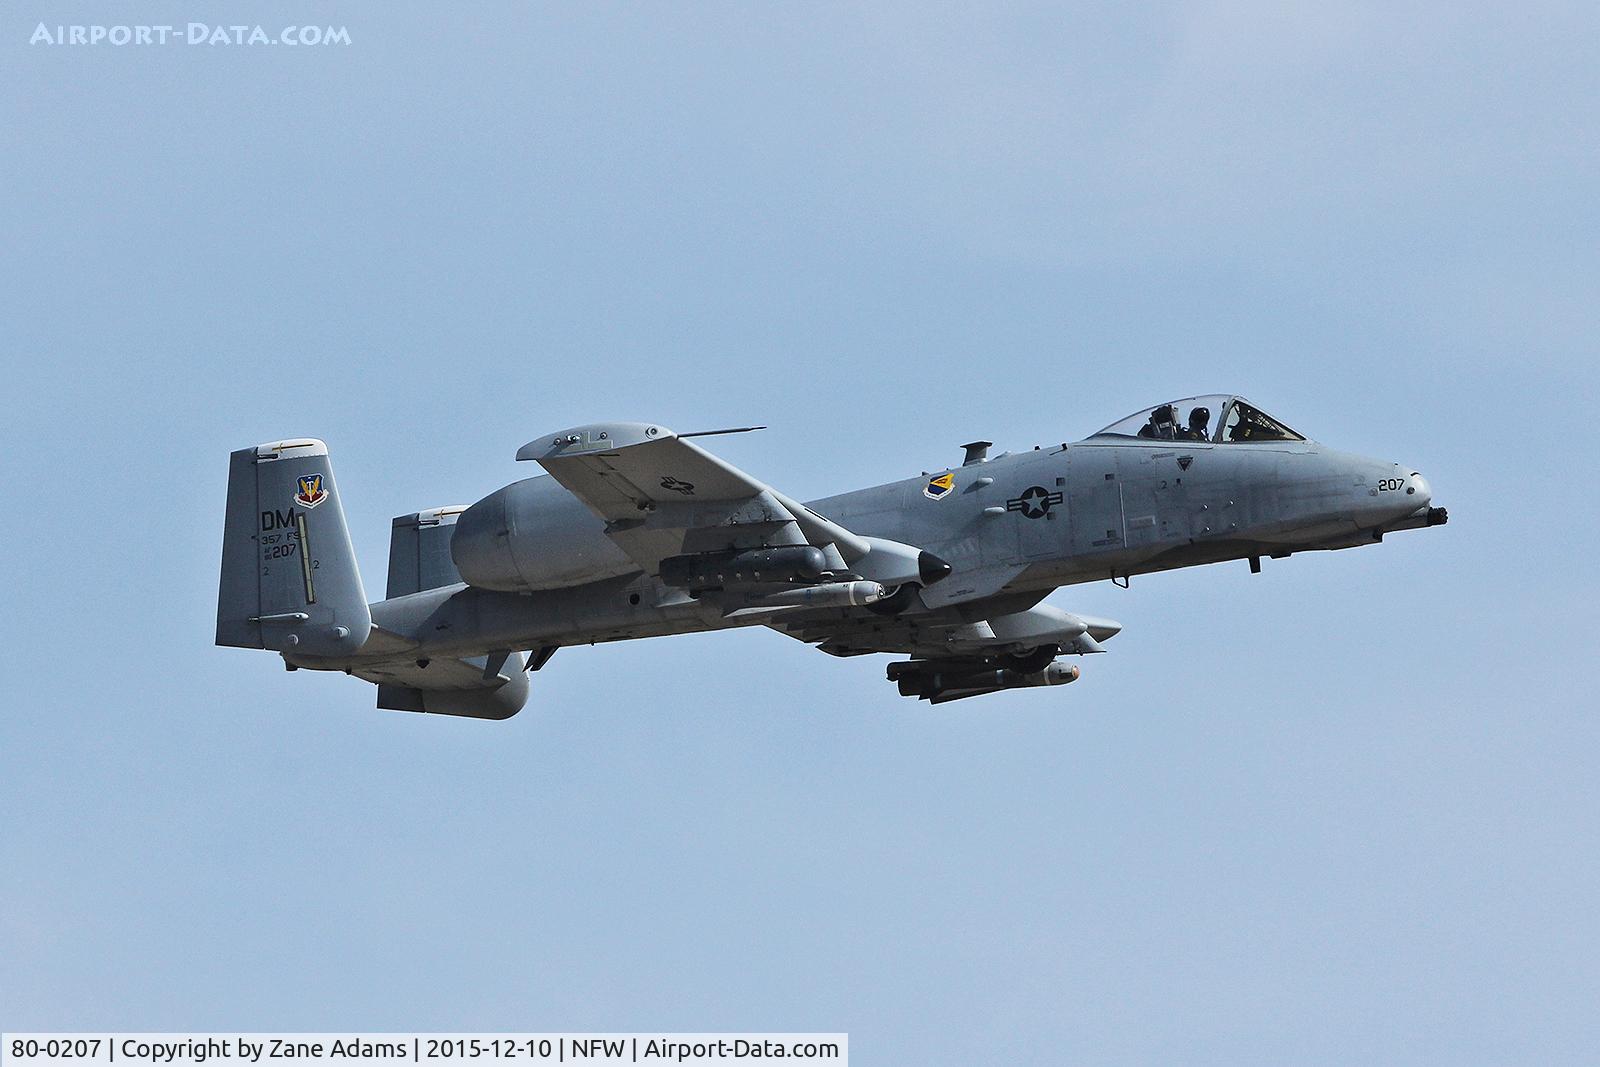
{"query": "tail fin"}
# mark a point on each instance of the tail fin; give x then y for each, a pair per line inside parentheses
(289, 578)
(419, 551)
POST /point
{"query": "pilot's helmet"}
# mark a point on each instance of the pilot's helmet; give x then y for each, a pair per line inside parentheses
(1200, 416)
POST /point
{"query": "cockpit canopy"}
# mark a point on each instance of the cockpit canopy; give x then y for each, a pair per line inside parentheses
(1218, 417)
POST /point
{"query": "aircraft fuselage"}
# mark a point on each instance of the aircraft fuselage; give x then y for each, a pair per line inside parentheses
(1018, 524)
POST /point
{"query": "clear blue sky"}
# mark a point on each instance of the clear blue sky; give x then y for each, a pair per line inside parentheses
(1341, 812)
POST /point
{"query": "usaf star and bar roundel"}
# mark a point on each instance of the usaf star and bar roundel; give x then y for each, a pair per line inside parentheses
(1034, 502)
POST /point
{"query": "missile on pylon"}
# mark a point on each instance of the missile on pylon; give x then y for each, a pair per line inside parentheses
(830, 595)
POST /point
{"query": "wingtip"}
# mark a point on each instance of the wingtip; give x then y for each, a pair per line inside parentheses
(595, 437)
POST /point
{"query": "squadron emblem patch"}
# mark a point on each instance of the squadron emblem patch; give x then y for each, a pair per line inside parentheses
(939, 486)
(310, 492)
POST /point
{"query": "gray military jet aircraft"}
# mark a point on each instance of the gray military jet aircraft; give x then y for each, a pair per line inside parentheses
(639, 532)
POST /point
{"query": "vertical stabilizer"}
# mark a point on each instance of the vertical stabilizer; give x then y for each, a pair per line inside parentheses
(289, 577)
(419, 551)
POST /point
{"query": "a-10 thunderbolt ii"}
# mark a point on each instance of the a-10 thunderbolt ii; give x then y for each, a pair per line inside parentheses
(638, 532)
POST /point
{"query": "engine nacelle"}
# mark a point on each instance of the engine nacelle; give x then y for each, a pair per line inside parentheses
(534, 535)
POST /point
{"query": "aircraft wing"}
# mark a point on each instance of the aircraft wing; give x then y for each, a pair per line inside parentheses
(662, 495)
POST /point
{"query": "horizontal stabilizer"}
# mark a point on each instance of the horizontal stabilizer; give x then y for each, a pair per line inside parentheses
(451, 686)
(463, 703)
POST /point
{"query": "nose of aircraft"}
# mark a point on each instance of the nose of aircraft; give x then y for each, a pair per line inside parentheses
(1417, 503)
(1418, 488)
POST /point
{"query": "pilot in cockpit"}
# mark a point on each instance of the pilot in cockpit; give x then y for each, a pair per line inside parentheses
(1163, 424)
(1190, 420)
